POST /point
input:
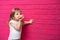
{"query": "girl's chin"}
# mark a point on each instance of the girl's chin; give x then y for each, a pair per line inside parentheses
(17, 19)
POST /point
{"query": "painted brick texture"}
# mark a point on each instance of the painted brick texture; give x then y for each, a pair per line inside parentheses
(46, 15)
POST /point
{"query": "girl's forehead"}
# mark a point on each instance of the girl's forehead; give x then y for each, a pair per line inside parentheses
(17, 12)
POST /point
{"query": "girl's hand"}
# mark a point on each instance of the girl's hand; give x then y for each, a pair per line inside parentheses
(21, 17)
(31, 21)
(28, 22)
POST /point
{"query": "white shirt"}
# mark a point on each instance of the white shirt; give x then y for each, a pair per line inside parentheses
(14, 34)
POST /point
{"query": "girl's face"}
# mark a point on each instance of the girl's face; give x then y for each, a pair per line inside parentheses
(16, 15)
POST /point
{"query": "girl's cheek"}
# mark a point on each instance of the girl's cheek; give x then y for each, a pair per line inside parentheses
(18, 17)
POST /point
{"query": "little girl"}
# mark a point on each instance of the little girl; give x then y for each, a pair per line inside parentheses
(15, 24)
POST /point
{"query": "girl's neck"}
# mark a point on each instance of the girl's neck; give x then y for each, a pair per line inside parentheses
(15, 20)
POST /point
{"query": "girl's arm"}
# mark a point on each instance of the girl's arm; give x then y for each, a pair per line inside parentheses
(25, 22)
(16, 26)
(28, 22)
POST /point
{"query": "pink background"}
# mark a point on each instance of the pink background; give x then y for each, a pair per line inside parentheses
(46, 15)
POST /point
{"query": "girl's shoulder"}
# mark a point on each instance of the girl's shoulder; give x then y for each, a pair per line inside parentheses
(11, 21)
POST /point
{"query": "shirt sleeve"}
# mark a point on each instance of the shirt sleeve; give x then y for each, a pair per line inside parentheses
(11, 22)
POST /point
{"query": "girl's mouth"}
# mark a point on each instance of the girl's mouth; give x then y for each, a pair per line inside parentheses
(20, 16)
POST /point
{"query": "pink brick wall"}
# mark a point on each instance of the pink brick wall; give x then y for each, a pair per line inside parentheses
(46, 15)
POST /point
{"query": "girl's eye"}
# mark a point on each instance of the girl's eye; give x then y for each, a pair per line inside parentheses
(17, 14)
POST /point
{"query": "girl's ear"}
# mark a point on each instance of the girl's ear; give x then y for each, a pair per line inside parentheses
(12, 18)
